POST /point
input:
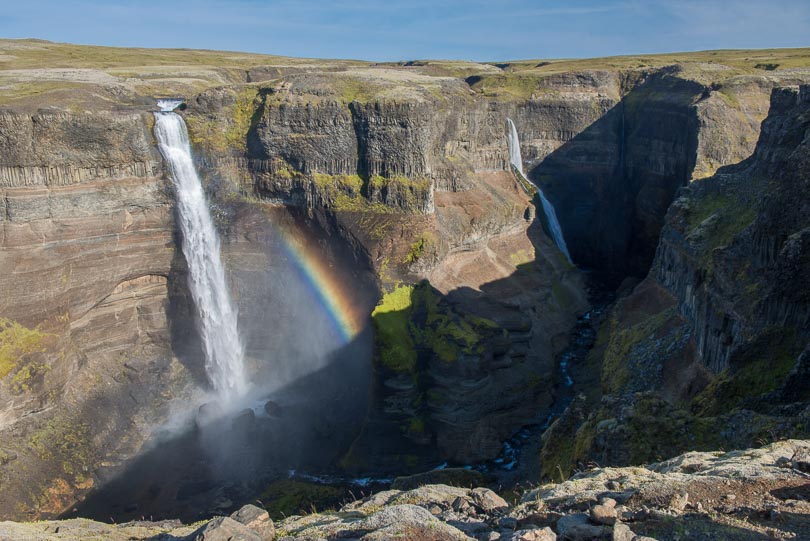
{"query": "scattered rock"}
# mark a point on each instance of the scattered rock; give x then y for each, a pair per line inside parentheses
(225, 529)
(679, 501)
(622, 532)
(534, 535)
(488, 501)
(602, 514)
(257, 520)
(576, 527)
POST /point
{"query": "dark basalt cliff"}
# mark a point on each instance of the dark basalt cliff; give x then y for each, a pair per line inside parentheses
(404, 171)
(711, 348)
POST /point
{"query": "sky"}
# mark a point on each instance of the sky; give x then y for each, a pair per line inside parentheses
(390, 30)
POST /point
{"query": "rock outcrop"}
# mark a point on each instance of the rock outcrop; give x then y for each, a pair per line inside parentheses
(750, 494)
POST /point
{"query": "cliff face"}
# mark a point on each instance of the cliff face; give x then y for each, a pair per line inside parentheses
(405, 167)
(720, 327)
(85, 283)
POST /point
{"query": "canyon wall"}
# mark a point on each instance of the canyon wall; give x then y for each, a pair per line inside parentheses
(711, 348)
(409, 171)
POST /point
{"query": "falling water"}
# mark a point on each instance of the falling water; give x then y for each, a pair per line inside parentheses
(517, 162)
(224, 351)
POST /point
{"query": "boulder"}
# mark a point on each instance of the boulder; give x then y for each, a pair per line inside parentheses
(488, 501)
(603, 514)
(225, 529)
(257, 520)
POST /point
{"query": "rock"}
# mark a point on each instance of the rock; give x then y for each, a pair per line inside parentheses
(244, 421)
(272, 409)
(508, 523)
(608, 502)
(257, 520)
(225, 529)
(801, 458)
(544, 534)
(488, 501)
(679, 501)
(622, 532)
(602, 514)
(457, 477)
(461, 505)
(575, 527)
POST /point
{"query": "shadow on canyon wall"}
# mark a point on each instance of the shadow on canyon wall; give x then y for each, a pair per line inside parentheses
(611, 184)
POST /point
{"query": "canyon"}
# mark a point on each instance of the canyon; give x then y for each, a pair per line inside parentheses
(402, 300)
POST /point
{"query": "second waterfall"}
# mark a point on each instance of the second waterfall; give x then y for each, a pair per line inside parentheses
(223, 347)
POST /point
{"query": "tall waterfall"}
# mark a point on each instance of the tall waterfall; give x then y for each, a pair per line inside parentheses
(224, 351)
(517, 162)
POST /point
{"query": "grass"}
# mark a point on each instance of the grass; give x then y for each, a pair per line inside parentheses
(17, 341)
(425, 244)
(396, 350)
(289, 497)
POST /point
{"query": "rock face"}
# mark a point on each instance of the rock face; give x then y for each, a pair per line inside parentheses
(405, 168)
(720, 328)
(86, 278)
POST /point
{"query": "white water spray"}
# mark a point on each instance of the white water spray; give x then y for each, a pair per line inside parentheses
(224, 351)
(517, 162)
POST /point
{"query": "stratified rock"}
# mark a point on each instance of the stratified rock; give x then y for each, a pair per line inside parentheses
(225, 529)
(257, 520)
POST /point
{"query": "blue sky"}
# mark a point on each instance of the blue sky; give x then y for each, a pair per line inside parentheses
(482, 30)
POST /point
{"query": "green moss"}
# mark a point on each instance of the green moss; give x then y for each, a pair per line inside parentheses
(615, 374)
(731, 213)
(391, 316)
(228, 131)
(760, 369)
(289, 497)
(67, 442)
(16, 342)
(412, 319)
(425, 244)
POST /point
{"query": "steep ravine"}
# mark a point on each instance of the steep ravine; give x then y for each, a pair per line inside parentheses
(407, 177)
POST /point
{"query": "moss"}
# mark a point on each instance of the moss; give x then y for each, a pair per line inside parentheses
(621, 341)
(425, 244)
(731, 213)
(390, 317)
(16, 342)
(356, 90)
(289, 497)
(66, 442)
(412, 319)
(759, 370)
(229, 130)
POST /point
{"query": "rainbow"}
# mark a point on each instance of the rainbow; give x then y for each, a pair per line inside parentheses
(324, 283)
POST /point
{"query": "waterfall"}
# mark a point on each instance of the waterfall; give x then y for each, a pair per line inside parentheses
(224, 351)
(516, 160)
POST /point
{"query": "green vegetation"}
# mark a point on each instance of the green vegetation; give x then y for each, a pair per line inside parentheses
(396, 349)
(66, 442)
(761, 369)
(413, 319)
(623, 339)
(17, 341)
(228, 131)
(408, 193)
(424, 245)
(730, 213)
(289, 497)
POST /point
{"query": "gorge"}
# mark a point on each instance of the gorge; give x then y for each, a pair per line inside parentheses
(351, 255)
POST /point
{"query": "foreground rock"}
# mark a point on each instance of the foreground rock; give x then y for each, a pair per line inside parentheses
(747, 495)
